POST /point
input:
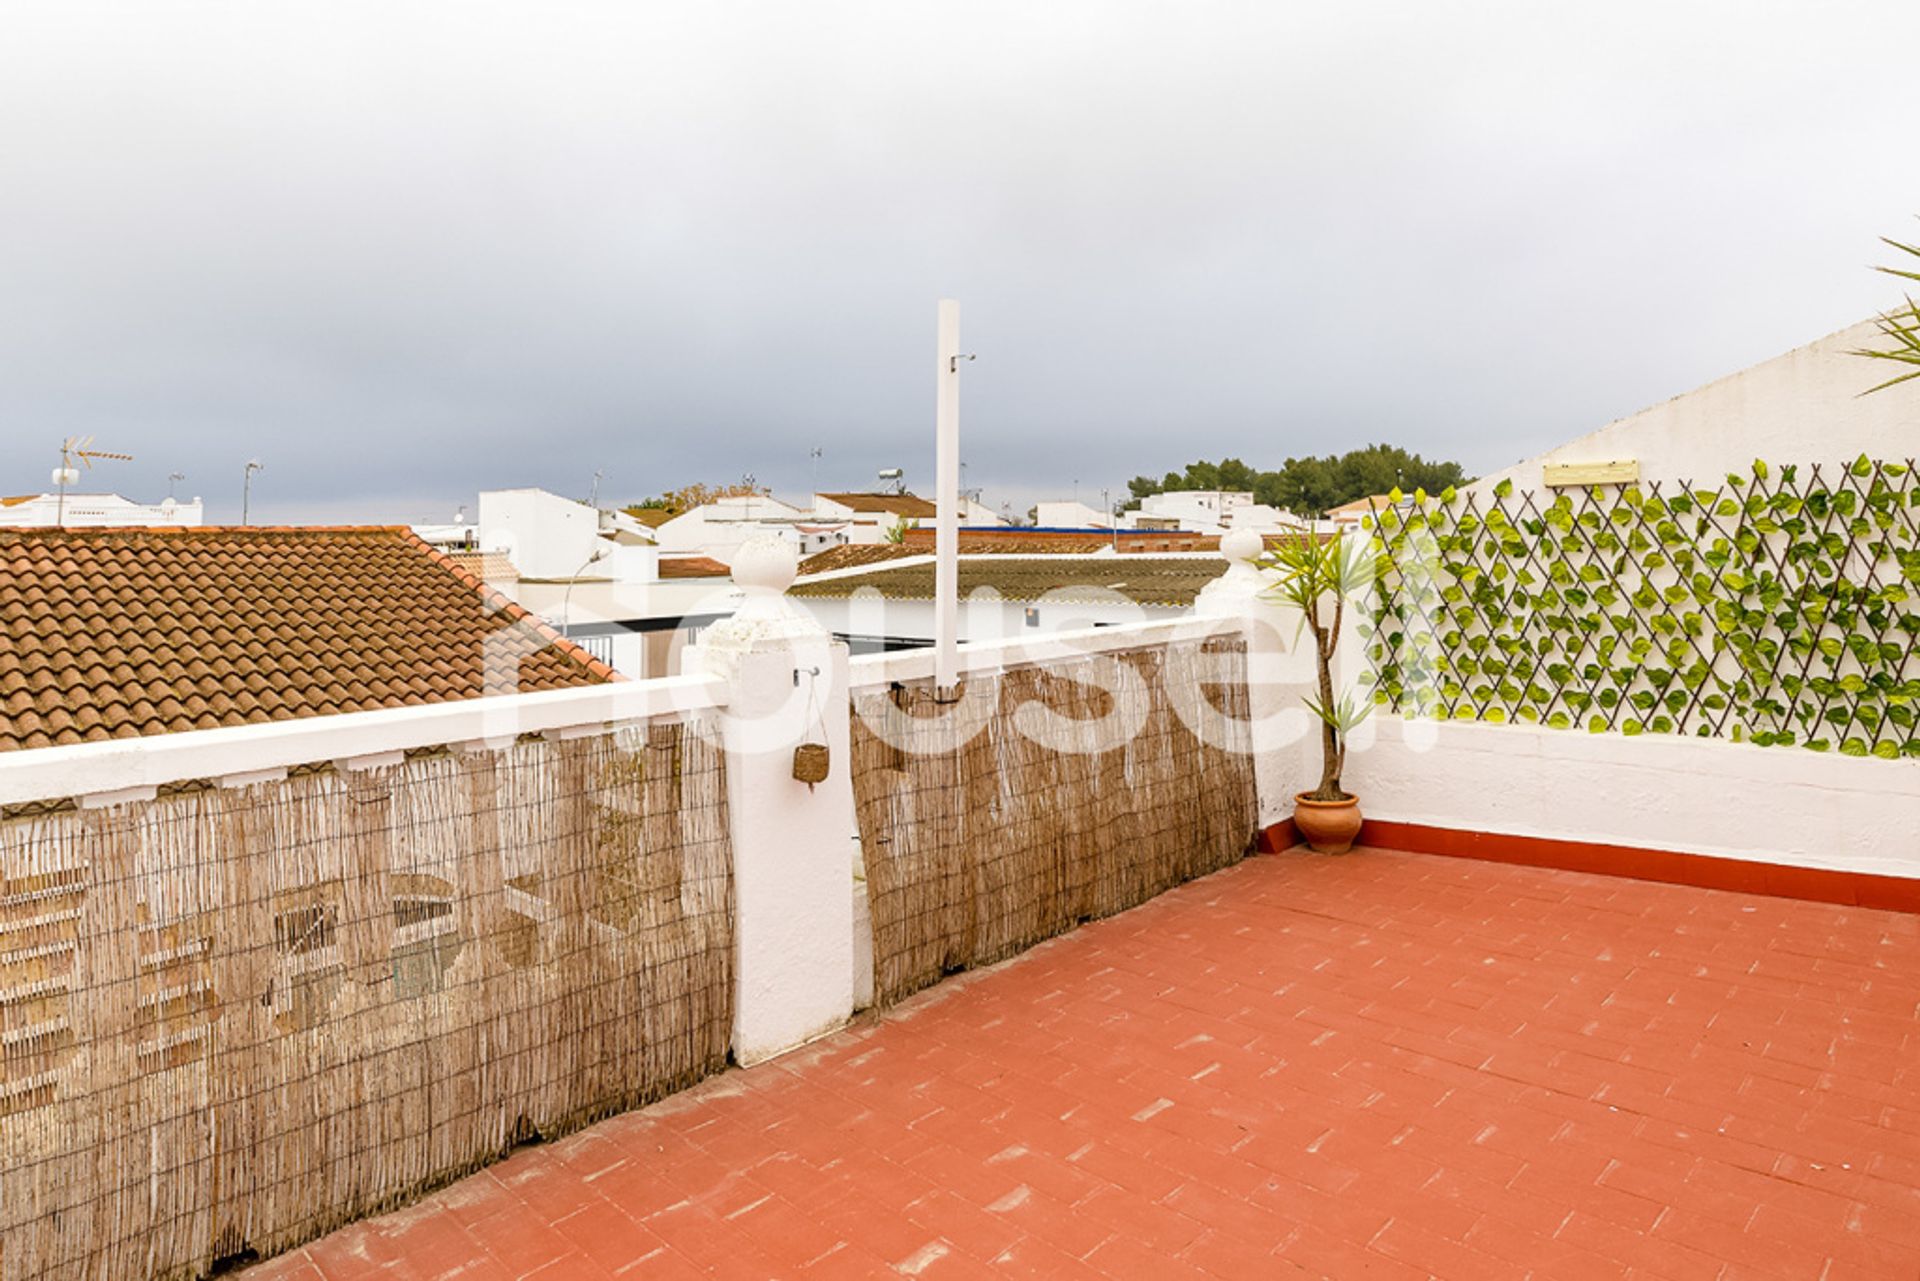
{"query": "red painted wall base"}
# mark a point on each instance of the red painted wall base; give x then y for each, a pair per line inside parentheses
(1278, 838)
(1819, 885)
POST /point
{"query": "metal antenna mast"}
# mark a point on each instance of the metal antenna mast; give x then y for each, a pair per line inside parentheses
(80, 447)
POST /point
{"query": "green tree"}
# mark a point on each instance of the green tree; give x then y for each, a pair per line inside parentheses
(1309, 486)
(1228, 474)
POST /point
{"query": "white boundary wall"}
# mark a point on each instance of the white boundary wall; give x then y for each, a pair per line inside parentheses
(1783, 805)
(121, 769)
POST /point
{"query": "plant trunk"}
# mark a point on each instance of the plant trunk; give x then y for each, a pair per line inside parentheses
(1331, 749)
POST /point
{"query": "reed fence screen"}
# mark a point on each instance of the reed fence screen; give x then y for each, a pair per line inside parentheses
(986, 827)
(1775, 607)
(236, 1019)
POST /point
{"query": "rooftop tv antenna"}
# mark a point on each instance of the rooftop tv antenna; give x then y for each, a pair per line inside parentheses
(814, 454)
(593, 494)
(246, 488)
(77, 447)
(174, 478)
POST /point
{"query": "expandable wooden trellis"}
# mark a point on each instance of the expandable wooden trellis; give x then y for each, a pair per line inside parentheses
(1776, 607)
(986, 826)
(236, 1019)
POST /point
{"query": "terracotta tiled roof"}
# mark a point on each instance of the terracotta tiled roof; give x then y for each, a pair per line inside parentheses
(1362, 506)
(692, 567)
(116, 633)
(853, 555)
(893, 504)
(488, 567)
(1170, 581)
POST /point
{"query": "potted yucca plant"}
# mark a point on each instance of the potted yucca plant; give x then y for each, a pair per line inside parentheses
(1310, 571)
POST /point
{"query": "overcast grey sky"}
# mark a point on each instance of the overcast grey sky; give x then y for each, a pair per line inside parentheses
(406, 251)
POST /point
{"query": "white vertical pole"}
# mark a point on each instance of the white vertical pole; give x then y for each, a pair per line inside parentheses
(946, 541)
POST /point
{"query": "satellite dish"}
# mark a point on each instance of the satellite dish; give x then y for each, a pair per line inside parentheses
(66, 475)
(167, 504)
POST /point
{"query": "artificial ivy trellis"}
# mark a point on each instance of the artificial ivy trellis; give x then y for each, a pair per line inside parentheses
(1776, 609)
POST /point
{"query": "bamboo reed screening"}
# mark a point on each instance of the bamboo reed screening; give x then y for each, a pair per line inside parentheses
(1045, 796)
(236, 1019)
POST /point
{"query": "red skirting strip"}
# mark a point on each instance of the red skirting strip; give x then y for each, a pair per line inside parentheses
(1277, 839)
(1819, 885)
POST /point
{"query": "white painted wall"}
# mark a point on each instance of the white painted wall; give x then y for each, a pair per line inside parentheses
(1203, 511)
(1700, 796)
(545, 535)
(718, 528)
(84, 510)
(1801, 407)
(977, 514)
(1070, 515)
(793, 885)
(83, 769)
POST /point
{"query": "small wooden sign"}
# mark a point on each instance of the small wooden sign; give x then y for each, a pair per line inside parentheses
(1624, 471)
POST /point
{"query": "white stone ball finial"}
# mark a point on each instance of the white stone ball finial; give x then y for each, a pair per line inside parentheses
(1242, 545)
(765, 565)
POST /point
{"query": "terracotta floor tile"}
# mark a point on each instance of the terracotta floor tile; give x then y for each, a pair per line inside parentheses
(1375, 1066)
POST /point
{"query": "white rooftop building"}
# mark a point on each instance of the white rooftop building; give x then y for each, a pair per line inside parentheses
(598, 576)
(1070, 515)
(78, 510)
(1208, 511)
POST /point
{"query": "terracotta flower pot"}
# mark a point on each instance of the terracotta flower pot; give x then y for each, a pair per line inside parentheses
(1328, 826)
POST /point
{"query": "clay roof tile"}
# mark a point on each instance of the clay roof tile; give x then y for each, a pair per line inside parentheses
(118, 632)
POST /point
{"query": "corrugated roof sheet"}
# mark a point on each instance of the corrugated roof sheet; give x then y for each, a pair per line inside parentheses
(1149, 580)
(117, 633)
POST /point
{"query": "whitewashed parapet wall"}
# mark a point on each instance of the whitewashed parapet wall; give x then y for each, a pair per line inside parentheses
(1686, 795)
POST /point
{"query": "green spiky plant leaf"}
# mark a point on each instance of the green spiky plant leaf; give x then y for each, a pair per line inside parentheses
(1309, 572)
(1899, 328)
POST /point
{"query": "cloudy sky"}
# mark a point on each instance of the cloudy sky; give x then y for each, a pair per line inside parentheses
(405, 251)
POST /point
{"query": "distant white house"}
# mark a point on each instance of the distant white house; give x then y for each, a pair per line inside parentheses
(1804, 406)
(872, 518)
(1356, 513)
(717, 528)
(978, 515)
(599, 577)
(1208, 511)
(97, 509)
(1070, 515)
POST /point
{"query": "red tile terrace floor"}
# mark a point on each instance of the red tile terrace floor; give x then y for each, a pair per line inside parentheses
(1376, 1066)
